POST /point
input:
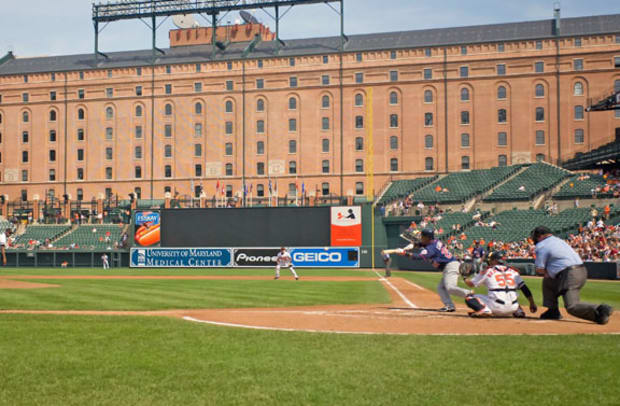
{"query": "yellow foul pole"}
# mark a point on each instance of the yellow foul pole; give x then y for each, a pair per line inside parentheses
(370, 172)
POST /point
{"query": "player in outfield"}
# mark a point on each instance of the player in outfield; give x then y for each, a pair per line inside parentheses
(284, 260)
(502, 283)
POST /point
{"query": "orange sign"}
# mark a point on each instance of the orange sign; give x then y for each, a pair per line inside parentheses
(346, 226)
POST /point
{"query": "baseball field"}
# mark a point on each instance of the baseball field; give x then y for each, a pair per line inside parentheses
(163, 337)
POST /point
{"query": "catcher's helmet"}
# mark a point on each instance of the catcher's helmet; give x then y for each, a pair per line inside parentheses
(428, 232)
(498, 256)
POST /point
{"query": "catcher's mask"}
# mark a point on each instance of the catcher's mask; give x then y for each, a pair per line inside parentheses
(498, 256)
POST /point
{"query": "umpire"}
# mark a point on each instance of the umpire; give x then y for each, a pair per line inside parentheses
(564, 275)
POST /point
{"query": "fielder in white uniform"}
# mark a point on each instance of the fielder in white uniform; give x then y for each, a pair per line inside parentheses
(502, 283)
(285, 260)
(3, 245)
(104, 259)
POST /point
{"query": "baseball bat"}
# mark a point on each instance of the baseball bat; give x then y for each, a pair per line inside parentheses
(393, 251)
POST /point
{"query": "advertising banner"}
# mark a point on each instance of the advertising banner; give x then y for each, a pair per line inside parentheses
(256, 257)
(328, 257)
(346, 226)
(180, 258)
(147, 226)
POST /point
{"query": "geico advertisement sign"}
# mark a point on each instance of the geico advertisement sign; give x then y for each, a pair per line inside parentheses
(329, 257)
(302, 257)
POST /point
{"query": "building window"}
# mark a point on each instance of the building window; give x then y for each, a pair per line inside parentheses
(465, 162)
(427, 52)
(25, 137)
(325, 145)
(168, 171)
(198, 130)
(578, 64)
(464, 117)
(259, 63)
(292, 81)
(260, 148)
(292, 189)
(228, 127)
(25, 117)
(228, 106)
(138, 172)
(428, 141)
(540, 157)
(291, 61)
(197, 87)
(260, 105)
(393, 120)
(325, 189)
(325, 123)
(464, 71)
(428, 96)
(392, 54)
(109, 73)
(260, 190)
(617, 86)
(501, 92)
(108, 153)
(325, 80)
(292, 124)
(52, 95)
(502, 160)
(325, 102)
(501, 69)
(540, 137)
(325, 59)
(138, 90)
(108, 173)
(393, 76)
(463, 50)
(80, 173)
(138, 131)
(260, 83)
(502, 139)
(197, 150)
(139, 71)
(617, 38)
(578, 42)
(138, 152)
(81, 75)
(579, 137)
(539, 67)
(616, 65)
(109, 133)
(52, 135)
(501, 116)
(428, 164)
(578, 112)
(464, 94)
(80, 154)
(168, 151)
(359, 77)
(80, 114)
(393, 98)
(539, 45)
(500, 47)
(428, 74)
(578, 89)
(52, 155)
(109, 92)
(359, 165)
(168, 109)
(260, 168)
(229, 65)
(359, 100)
(292, 103)
(292, 167)
(168, 130)
(228, 149)
(198, 108)
(260, 126)
(109, 113)
(24, 179)
(229, 85)
(80, 194)
(539, 90)
(138, 111)
(358, 57)
(359, 188)
(292, 147)
(325, 166)
(540, 114)
(359, 121)
(80, 93)
(53, 77)
(464, 140)
(394, 142)
(359, 143)
(428, 119)
(198, 67)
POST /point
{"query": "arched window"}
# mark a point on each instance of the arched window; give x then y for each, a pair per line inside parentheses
(260, 105)
(138, 111)
(393, 142)
(393, 120)
(292, 103)
(428, 164)
(540, 157)
(502, 160)
(578, 89)
(540, 90)
(168, 109)
(501, 92)
(465, 162)
(359, 100)
(428, 141)
(325, 101)
(80, 114)
(25, 117)
(198, 108)
(109, 113)
(428, 96)
(229, 106)
(464, 94)
(52, 115)
(393, 98)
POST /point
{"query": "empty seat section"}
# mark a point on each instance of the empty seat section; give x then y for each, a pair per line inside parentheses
(536, 179)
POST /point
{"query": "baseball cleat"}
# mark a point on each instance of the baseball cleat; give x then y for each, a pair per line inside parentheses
(519, 314)
(276, 277)
(480, 313)
(447, 309)
(602, 313)
(551, 314)
(297, 278)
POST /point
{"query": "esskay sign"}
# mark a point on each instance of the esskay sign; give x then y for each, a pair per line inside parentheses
(328, 257)
(180, 258)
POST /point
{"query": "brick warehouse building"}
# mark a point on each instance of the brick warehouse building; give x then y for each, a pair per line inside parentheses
(442, 100)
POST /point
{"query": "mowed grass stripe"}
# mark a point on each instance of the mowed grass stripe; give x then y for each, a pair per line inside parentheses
(144, 294)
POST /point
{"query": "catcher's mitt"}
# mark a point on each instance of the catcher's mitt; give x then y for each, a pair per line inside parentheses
(466, 269)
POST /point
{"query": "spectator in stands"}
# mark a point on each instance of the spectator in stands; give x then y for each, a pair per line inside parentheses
(521, 188)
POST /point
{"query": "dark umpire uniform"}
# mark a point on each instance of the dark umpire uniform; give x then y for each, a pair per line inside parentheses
(565, 275)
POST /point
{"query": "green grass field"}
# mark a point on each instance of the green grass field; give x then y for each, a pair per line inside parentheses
(119, 360)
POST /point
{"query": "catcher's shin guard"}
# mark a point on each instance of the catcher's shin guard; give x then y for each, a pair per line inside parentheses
(474, 303)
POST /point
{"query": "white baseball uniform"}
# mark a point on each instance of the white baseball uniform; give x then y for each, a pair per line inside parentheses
(106, 264)
(284, 260)
(502, 283)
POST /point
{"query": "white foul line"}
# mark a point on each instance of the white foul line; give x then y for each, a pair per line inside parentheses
(382, 279)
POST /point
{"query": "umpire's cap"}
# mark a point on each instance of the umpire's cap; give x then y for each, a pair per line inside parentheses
(428, 232)
(498, 256)
(538, 231)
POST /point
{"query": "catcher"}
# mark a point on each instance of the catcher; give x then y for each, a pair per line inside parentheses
(502, 283)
